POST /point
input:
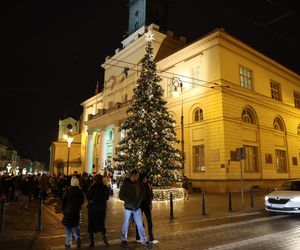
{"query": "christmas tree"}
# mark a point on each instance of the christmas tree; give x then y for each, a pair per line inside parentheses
(149, 136)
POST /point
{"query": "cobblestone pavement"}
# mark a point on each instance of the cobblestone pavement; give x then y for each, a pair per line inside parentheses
(248, 228)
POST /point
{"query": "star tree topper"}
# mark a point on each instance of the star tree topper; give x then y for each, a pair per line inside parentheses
(149, 36)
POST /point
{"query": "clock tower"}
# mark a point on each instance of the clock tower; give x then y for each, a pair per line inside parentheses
(146, 12)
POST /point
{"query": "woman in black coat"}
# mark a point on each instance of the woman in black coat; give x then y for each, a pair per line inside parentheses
(71, 204)
(97, 195)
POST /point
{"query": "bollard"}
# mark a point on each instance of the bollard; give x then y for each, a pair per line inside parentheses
(171, 206)
(252, 197)
(39, 226)
(229, 202)
(203, 203)
(2, 213)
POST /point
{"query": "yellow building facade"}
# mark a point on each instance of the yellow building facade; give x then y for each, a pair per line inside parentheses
(233, 97)
(60, 154)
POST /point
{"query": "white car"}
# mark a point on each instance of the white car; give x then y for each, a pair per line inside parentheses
(285, 199)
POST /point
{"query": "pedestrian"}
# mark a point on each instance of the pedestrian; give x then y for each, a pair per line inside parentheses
(17, 187)
(131, 194)
(97, 196)
(185, 186)
(71, 204)
(107, 181)
(44, 186)
(146, 206)
(25, 190)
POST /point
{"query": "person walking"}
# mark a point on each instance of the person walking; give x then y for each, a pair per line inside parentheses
(44, 186)
(131, 193)
(25, 190)
(71, 205)
(97, 196)
(146, 206)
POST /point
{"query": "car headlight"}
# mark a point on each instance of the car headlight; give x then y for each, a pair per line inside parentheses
(296, 199)
(266, 198)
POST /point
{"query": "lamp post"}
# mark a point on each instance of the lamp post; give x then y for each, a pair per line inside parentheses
(69, 140)
(177, 83)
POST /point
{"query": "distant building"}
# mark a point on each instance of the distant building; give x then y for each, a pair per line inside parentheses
(233, 97)
(59, 149)
(8, 156)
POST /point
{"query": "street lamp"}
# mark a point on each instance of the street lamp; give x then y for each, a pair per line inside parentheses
(177, 83)
(69, 140)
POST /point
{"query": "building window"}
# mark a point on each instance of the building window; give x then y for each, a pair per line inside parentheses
(297, 99)
(248, 116)
(110, 135)
(198, 115)
(298, 129)
(295, 161)
(251, 161)
(278, 124)
(275, 90)
(198, 158)
(195, 75)
(281, 161)
(170, 87)
(246, 80)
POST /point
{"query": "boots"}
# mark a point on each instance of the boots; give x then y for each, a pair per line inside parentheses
(78, 242)
(92, 240)
(105, 240)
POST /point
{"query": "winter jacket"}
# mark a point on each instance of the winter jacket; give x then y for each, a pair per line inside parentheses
(148, 195)
(98, 195)
(71, 204)
(132, 194)
(26, 187)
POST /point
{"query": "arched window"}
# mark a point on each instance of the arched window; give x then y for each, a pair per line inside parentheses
(278, 124)
(298, 129)
(198, 115)
(248, 116)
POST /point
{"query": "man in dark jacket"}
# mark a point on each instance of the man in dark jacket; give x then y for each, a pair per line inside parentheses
(132, 195)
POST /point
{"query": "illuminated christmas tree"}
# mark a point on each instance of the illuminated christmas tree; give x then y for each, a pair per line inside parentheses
(149, 136)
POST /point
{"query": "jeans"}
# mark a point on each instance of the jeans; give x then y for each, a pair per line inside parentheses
(69, 231)
(137, 216)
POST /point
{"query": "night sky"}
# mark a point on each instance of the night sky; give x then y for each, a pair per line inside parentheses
(53, 50)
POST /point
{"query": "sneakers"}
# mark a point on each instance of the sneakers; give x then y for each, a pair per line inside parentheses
(139, 241)
(154, 241)
(147, 243)
(124, 243)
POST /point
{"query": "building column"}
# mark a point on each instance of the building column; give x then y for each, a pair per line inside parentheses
(102, 149)
(116, 138)
(90, 150)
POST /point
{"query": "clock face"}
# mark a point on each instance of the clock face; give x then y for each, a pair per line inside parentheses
(69, 126)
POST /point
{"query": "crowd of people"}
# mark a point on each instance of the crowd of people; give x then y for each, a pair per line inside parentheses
(135, 191)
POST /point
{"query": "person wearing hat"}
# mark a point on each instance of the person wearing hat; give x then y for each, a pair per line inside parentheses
(146, 205)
